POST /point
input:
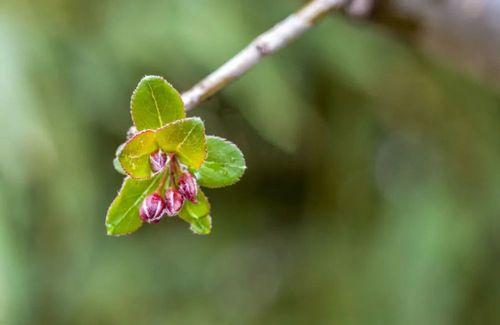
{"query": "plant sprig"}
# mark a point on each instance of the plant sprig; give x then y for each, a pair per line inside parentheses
(168, 146)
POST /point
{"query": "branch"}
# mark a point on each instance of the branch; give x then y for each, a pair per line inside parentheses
(266, 44)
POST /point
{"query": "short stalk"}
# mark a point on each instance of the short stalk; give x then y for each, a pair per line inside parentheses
(162, 183)
(173, 169)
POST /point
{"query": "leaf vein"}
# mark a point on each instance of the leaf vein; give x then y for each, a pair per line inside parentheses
(224, 164)
(185, 138)
(140, 198)
(156, 104)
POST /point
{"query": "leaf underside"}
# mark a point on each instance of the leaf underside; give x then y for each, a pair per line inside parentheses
(118, 167)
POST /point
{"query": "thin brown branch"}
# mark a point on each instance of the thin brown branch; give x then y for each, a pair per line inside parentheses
(266, 44)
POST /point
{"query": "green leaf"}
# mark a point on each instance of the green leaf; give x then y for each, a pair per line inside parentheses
(186, 138)
(123, 214)
(196, 210)
(197, 214)
(202, 226)
(155, 103)
(134, 157)
(223, 166)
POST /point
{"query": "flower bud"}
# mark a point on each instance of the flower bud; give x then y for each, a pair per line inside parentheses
(152, 208)
(173, 201)
(157, 161)
(188, 186)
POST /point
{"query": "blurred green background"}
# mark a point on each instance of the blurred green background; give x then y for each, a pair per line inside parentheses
(371, 196)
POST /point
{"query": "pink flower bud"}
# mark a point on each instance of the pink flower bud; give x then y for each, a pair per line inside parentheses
(188, 186)
(152, 208)
(157, 161)
(174, 201)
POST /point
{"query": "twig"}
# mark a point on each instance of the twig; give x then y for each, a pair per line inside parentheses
(267, 43)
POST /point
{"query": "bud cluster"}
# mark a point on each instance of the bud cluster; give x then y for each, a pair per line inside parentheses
(154, 207)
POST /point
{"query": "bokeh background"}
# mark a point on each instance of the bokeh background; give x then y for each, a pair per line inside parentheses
(372, 194)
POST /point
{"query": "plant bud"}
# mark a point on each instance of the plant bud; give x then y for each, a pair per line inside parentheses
(188, 186)
(157, 161)
(152, 208)
(173, 201)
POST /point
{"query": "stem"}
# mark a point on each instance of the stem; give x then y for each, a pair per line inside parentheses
(172, 169)
(266, 44)
(162, 183)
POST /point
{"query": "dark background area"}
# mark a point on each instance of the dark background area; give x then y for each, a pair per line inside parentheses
(373, 152)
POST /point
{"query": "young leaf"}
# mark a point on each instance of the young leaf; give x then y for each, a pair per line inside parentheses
(123, 214)
(186, 138)
(197, 214)
(202, 226)
(223, 166)
(195, 210)
(134, 157)
(155, 103)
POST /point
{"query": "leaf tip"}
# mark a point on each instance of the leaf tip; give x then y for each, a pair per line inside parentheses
(151, 77)
(110, 230)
